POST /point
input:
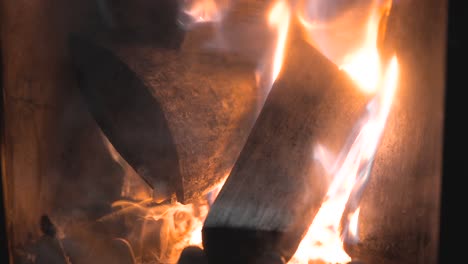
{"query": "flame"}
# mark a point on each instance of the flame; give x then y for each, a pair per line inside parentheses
(338, 217)
(181, 224)
(337, 220)
(196, 235)
(349, 39)
(279, 18)
(324, 237)
(364, 64)
(201, 11)
(353, 224)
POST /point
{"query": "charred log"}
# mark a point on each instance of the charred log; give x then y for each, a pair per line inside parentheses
(192, 255)
(178, 118)
(277, 184)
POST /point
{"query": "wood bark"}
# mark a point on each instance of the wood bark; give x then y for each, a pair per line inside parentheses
(277, 184)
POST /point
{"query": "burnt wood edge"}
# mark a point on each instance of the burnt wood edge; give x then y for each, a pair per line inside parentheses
(78, 42)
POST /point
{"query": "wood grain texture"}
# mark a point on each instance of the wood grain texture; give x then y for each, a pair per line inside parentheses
(179, 118)
(277, 185)
(35, 72)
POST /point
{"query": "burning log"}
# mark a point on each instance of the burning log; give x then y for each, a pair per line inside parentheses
(192, 255)
(178, 118)
(278, 183)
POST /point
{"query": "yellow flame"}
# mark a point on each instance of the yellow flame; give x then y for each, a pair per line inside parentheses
(364, 64)
(278, 18)
(196, 237)
(353, 224)
(324, 239)
(181, 224)
(360, 58)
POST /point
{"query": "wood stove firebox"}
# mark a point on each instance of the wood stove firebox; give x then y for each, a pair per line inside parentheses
(215, 131)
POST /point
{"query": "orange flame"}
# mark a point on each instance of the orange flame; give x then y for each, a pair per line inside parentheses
(325, 237)
(196, 235)
(204, 10)
(353, 224)
(278, 19)
(349, 39)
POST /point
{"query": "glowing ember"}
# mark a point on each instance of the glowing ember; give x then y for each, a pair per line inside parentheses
(364, 64)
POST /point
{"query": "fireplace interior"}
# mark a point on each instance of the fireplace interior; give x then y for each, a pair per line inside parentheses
(216, 131)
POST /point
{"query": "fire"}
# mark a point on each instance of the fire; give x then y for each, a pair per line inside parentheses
(279, 18)
(337, 220)
(349, 39)
(202, 11)
(181, 224)
(324, 237)
(363, 66)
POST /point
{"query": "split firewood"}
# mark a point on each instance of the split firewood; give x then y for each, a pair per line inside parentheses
(277, 185)
(178, 118)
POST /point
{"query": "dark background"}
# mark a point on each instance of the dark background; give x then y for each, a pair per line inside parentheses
(455, 147)
(455, 141)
